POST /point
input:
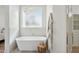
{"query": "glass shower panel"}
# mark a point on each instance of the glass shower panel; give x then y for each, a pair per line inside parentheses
(73, 29)
(76, 21)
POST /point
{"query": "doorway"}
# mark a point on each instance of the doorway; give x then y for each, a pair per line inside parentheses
(73, 29)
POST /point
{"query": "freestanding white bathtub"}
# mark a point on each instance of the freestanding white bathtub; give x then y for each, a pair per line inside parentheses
(29, 43)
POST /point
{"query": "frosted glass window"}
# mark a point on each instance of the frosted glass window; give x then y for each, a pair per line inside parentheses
(32, 17)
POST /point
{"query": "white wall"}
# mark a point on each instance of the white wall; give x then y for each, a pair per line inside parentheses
(59, 37)
(13, 23)
(4, 14)
(34, 31)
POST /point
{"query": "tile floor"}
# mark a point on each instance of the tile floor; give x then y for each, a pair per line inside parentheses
(2, 46)
(18, 51)
(75, 49)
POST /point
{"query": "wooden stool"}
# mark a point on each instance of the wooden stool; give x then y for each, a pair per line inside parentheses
(42, 48)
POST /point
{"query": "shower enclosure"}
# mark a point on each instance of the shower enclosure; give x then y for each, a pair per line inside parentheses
(73, 28)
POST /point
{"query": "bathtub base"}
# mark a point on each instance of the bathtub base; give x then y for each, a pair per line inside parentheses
(29, 43)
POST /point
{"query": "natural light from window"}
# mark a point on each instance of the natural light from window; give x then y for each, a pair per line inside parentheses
(32, 17)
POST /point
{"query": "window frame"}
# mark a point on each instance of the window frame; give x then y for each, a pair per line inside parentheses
(43, 16)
